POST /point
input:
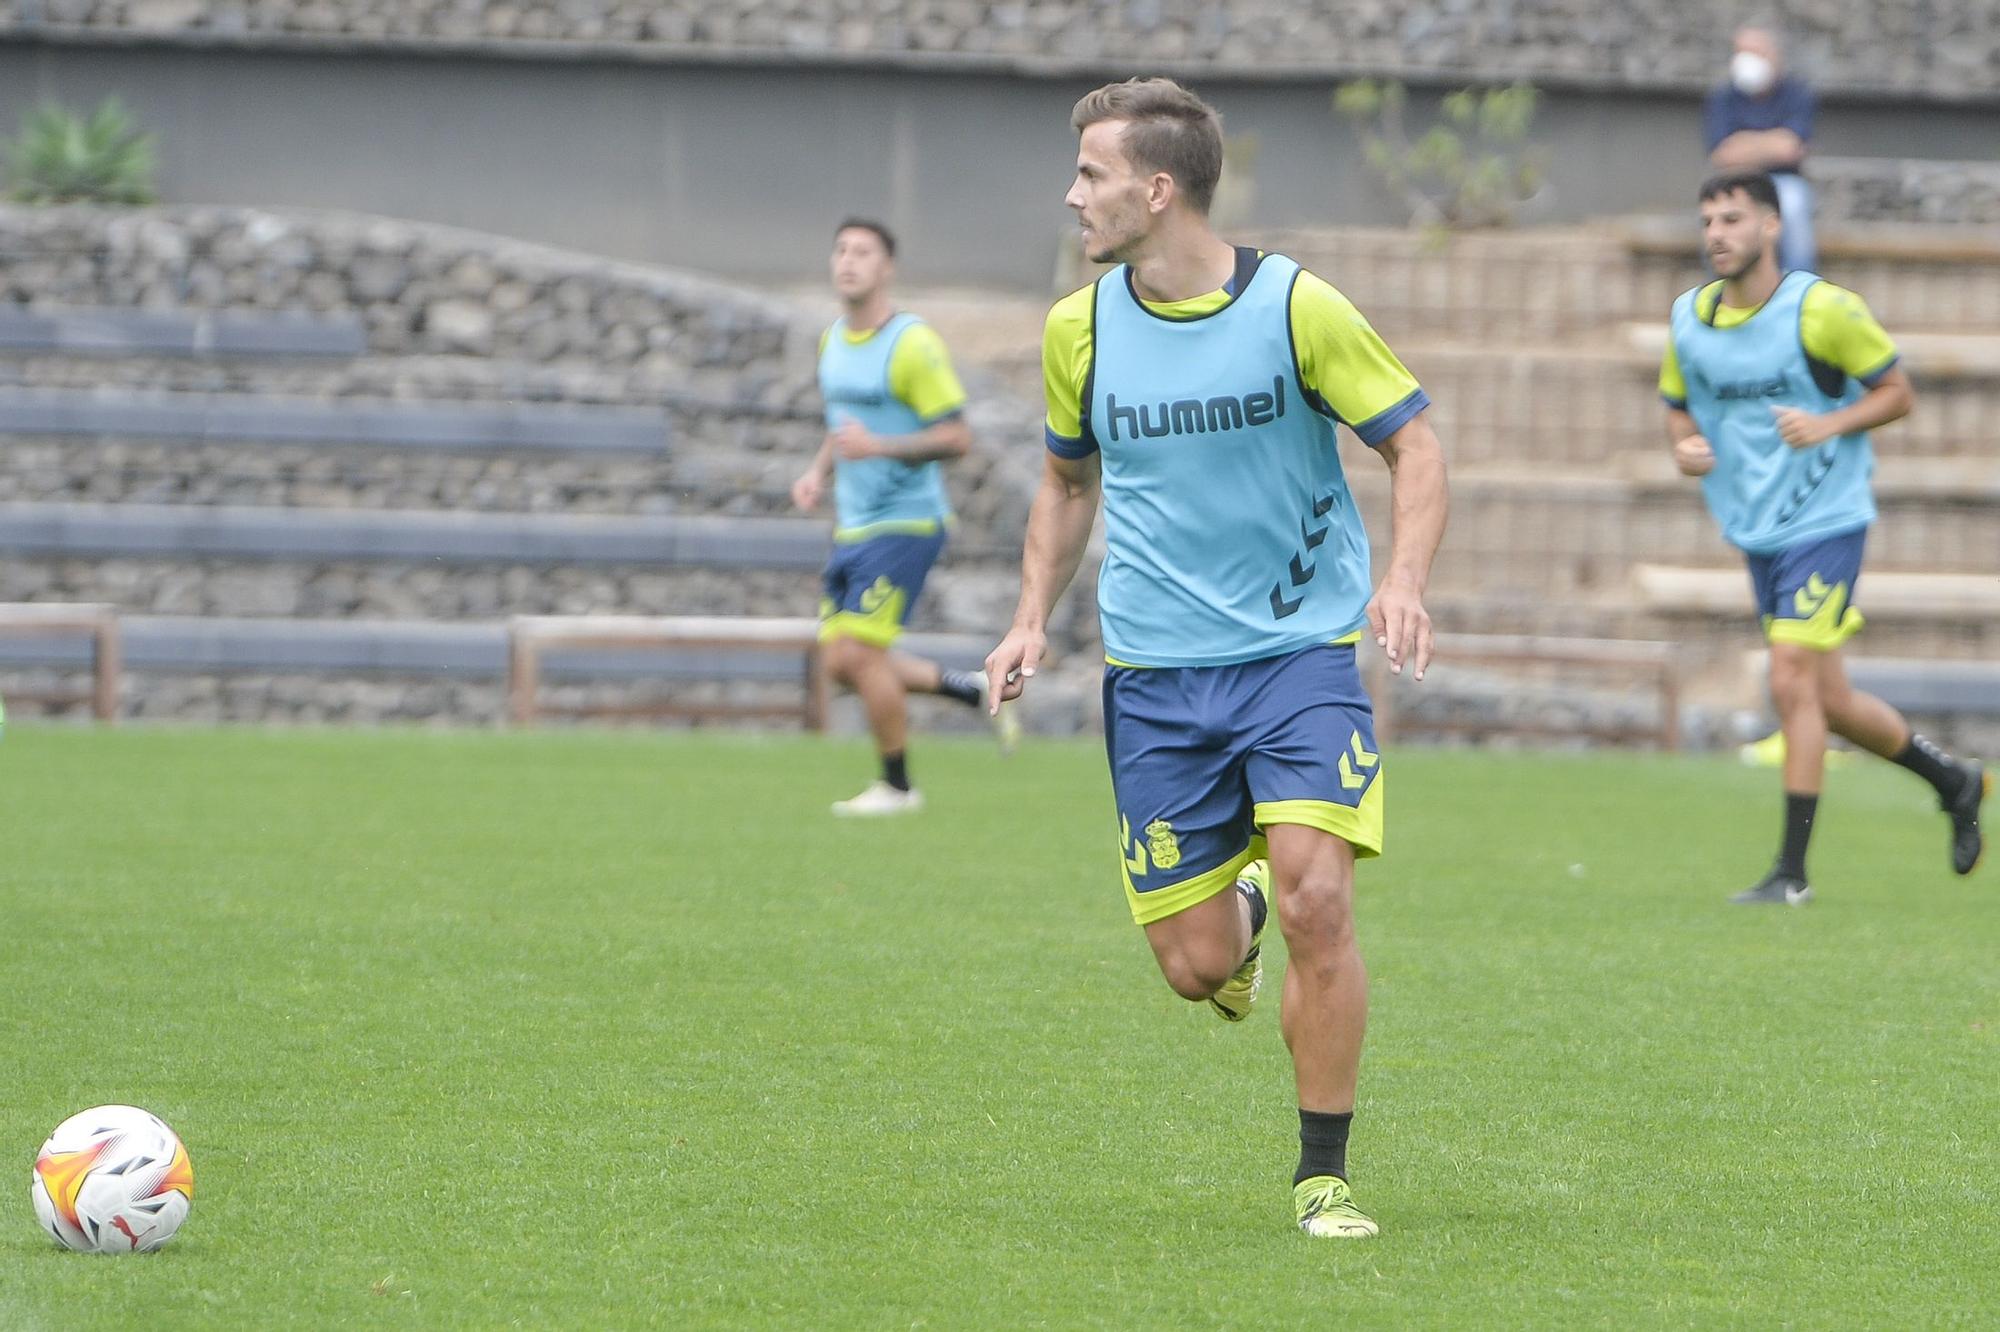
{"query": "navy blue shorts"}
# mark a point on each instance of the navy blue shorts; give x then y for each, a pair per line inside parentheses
(1805, 593)
(1203, 758)
(872, 585)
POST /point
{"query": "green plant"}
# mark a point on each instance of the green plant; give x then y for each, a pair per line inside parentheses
(62, 156)
(1469, 169)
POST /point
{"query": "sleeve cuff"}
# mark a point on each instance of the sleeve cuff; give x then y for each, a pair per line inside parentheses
(948, 414)
(1386, 423)
(1874, 377)
(1065, 447)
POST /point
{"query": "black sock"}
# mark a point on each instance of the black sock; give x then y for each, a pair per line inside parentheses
(961, 685)
(896, 771)
(1799, 811)
(1259, 908)
(1933, 765)
(1322, 1144)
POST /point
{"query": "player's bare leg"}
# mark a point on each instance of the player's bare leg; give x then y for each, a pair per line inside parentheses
(870, 673)
(1795, 692)
(1325, 1011)
(1801, 715)
(1855, 716)
(1324, 1015)
(1200, 948)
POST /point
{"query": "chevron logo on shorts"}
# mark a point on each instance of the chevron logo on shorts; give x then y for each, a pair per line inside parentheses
(877, 594)
(1356, 757)
(1808, 599)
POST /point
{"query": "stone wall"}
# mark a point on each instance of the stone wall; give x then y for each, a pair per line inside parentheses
(1922, 49)
(453, 315)
(1890, 189)
(593, 329)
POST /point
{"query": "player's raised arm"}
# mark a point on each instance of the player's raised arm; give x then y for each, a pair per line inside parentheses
(1420, 498)
(1059, 525)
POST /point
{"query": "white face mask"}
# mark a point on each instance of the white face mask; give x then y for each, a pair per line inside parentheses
(1752, 74)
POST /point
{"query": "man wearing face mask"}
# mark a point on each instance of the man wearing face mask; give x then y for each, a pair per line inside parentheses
(1761, 120)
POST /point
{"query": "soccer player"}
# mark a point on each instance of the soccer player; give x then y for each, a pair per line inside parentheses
(1196, 388)
(1772, 382)
(894, 414)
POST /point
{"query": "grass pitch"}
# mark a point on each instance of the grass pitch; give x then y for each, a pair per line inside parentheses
(609, 1030)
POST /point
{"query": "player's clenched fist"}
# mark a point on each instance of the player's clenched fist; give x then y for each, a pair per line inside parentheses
(1693, 456)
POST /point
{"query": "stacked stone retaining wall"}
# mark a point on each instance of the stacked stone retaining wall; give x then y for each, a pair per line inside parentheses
(1923, 49)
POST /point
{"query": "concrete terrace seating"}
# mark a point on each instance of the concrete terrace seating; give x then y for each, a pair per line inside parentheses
(1901, 596)
(244, 533)
(230, 418)
(128, 332)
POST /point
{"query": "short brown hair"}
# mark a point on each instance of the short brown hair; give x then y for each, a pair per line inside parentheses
(882, 233)
(1168, 129)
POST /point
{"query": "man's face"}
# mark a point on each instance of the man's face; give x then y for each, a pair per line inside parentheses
(1755, 63)
(1110, 195)
(861, 264)
(1736, 231)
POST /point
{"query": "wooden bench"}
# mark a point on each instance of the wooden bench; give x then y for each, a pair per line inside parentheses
(1651, 664)
(529, 637)
(99, 624)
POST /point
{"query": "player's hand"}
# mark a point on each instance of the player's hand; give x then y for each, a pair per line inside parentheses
(1693, 456)
(1401, 625)
(808, 490)
(1801, 430)
(852, 442)
(1012, 664)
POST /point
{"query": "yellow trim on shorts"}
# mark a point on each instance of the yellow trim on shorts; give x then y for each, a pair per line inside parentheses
(1359, 826)
(880, 627)
(1812, 634)
(848, 536)
(1345, 640)
(1176, 898)
(1831, 624)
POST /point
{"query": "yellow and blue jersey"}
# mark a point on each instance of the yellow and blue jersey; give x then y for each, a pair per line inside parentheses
(1812, 346)
(1231, 535)
(894, 380)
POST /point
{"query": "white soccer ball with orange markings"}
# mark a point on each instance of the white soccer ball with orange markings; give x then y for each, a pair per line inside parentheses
(114, 1179)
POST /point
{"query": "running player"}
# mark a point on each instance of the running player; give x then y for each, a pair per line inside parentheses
(894, 414)
(1196, 387)
(1772, 382)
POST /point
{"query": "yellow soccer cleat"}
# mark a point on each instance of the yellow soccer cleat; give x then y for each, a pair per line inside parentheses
(1325, 1210)
(1232, 1003)
(1007, 728)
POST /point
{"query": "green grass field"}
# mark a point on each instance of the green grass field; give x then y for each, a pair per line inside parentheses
(605, 1030)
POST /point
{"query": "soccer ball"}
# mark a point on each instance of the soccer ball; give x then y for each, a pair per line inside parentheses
(114, 1179)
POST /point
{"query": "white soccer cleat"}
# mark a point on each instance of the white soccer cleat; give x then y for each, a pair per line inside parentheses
(879, 801)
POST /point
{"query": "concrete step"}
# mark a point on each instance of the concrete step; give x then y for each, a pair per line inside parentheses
(1528, 533)
(1587, 405)
(1568, 284)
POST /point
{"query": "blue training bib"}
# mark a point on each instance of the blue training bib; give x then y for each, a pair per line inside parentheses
(1230, 534)
(873, 496)
(1765, 494)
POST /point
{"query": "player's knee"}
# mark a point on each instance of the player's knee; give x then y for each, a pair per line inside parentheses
(1317, 911)
(1195, 974)
(846, 659)
(1794, 678)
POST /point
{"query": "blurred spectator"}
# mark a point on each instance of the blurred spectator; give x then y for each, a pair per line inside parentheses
(1762, 120)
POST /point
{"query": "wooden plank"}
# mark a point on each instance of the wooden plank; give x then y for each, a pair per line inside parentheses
(529, 636)
(67, 620)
